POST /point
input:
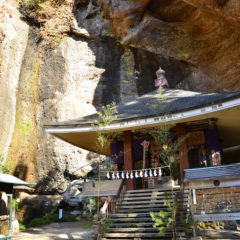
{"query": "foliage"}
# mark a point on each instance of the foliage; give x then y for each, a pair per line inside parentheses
(92, 211)
(165, 219)
(26, 127)
(49, 219)
(30, 5)
(184, 55)
(107, 115)
(163, 136)
(92, 208)
(4, 167)
(106, 223)
(22, 224)
(188, 222)
(16, 204)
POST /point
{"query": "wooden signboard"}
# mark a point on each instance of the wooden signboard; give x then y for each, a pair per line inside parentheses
(151, 182)
(196, 138)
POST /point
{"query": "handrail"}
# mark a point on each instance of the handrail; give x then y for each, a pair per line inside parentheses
(106, 207)
(111, 205)
(121, 193)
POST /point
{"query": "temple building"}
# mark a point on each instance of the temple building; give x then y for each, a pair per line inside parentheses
(211, 121)
(206, 127)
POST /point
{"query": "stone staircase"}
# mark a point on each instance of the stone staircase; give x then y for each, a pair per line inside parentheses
(133, 220)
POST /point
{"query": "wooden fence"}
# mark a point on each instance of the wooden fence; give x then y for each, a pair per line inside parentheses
(215, 204)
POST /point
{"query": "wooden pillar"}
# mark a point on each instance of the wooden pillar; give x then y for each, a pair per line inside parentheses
(182, 148)
(128, 157)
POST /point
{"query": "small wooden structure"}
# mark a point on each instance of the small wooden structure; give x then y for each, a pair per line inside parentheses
(214, 192)
(7, 183)
(108, 191)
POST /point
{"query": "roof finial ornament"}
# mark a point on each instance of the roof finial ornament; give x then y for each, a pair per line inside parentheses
(161, 80)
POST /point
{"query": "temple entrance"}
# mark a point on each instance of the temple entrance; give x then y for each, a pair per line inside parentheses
(193, 156)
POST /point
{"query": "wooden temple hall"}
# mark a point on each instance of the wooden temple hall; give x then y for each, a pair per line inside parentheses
(208, 154)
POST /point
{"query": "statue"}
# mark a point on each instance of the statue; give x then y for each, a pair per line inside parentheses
(161, 80)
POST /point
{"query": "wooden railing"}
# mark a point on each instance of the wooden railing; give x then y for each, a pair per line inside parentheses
(111, 205)
(121, 193)
(107, 207)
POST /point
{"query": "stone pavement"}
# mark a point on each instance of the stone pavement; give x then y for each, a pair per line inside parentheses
(58, 231)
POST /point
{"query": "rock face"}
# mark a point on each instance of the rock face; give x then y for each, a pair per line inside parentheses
(75, 56)
(13, 39)
(202, 34)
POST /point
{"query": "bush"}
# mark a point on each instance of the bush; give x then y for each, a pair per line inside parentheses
(22, 224)
(50, 219)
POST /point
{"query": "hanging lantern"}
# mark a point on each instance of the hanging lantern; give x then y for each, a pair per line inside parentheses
(108, 175)
(127, 176)
(118, 175)
(131, 175)
(160, 172)
(136, 174)
(113, 176)
(122, 175)
(155, 172)
(141, 173)
(145, 174)
(150, 173)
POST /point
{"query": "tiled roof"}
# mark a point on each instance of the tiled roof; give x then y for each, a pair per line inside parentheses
(158, 103)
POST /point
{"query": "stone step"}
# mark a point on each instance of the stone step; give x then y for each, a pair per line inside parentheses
(135, 215)
(146, 235)
(144, 196)
(137, 229)
(154, 194)
(133, 220)
(140, 224)
(145, 209)
(154, 205)
(175, 188)
(133, 229)
(150, 201)
(127, 215)
(139, 219)
(139, 238)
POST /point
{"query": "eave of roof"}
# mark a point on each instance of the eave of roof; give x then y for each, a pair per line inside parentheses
(9, 179)
(225, 107)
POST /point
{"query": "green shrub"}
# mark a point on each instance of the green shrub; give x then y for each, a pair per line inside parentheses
(50, 219)
(22, 224)
(4, 167)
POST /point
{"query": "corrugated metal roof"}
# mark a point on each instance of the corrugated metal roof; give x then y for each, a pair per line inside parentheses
(158, 103)
(230, 171)
(103, 189)
(7, 178)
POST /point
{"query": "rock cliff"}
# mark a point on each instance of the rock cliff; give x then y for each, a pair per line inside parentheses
(62, 59)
